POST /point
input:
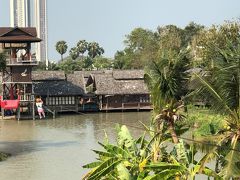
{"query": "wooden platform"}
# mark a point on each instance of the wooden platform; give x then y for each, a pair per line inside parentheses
(8, 117)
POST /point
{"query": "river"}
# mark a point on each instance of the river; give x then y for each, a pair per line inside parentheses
(56, 149)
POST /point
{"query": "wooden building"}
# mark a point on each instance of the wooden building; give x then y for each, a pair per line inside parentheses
(120, 90)
(17, 77)
(88, 101)
(89, 91)
(60, 93)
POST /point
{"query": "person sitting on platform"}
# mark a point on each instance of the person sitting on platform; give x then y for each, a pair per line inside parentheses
(40, 110)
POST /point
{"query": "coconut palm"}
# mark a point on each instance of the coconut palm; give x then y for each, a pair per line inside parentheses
(167, 80)
(74, 53)
(61, 47)
(222, 89)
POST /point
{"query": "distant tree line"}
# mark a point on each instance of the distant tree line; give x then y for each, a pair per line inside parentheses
(143, 46)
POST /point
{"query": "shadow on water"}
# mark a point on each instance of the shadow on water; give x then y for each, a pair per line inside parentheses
(19, 148)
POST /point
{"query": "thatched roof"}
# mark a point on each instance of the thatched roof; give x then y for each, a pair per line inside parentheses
(48, 75)
(77, 79)
(128, 74)
(55, 83)
(86, 74)
(131, 84)
(57, 88)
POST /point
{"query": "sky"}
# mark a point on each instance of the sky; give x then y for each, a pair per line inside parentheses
(109, 21)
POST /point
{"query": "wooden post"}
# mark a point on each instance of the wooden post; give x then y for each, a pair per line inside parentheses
(18, 112)
(2, 113)
(33, 102)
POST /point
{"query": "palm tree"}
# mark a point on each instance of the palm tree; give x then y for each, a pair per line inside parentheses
(61, 47)
(74, 53)
(82, 46)
(222, 89)
(94, 50)
(167, 80)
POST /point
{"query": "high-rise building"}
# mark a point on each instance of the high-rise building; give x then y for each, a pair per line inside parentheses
(28, 13)
(41, 25)
(20, 13)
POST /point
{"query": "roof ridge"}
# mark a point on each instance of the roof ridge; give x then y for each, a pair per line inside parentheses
(16, 27)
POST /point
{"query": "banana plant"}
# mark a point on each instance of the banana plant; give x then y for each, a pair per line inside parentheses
(145, 160)
(126, 160)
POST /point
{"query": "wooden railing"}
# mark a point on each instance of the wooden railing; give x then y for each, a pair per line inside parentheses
(19, 61)
(125, 106)
(27, 97)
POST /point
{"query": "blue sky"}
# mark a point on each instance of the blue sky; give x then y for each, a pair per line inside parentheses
(109, 21)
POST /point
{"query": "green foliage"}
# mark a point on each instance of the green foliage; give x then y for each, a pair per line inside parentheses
(203, 120)
(124, 137)
(122, 59)
(102, 63)
(167, 79)
(61, 47)
(82, 46)
(94, 49)
(214, 38)
(69, 65)
(221, 87)
(74, 53)
(4, 156)
(127, 161)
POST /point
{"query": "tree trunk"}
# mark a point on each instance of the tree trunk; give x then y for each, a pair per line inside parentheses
(173, 133)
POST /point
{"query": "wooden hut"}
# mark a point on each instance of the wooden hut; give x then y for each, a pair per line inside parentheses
(120, 90)
(89, 101)
(59, 93)
(17, 77)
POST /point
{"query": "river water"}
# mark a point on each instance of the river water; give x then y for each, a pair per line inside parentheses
(56, 149)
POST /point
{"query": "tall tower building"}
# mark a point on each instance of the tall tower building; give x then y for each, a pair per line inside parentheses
(40, 11)
(20, 13)
(28, 13)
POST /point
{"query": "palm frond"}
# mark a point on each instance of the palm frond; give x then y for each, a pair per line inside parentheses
(231, 168)
(217, 99)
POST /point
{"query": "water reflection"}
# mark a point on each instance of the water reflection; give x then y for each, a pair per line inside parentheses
(56, 149)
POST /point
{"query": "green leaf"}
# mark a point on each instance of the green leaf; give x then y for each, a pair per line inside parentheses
(125, 138)
(92, 165)
(119, 152)
(164, 175)
(163, 166)
(103, 169)
(207, 172)
(181, 152)
(231, 168)
(123, 173)
(102, 153)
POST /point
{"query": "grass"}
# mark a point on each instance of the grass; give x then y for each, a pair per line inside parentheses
(203, 121)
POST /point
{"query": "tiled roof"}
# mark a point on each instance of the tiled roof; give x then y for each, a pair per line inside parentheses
(18, 34)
